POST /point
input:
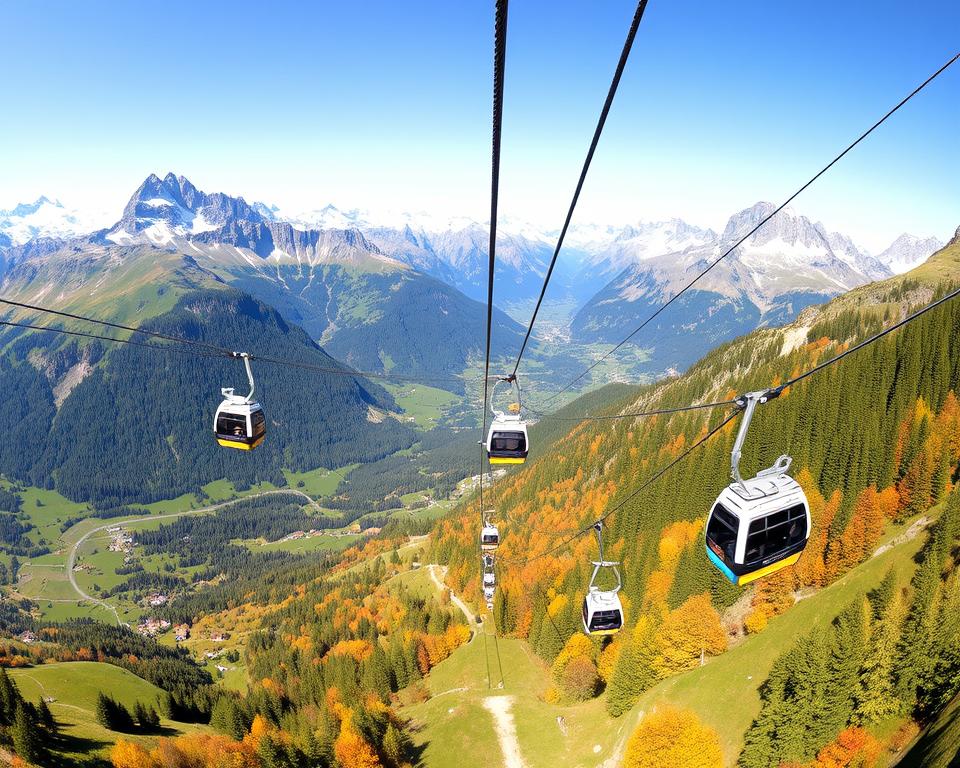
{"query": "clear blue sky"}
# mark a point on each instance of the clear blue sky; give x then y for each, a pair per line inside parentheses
(387, 105)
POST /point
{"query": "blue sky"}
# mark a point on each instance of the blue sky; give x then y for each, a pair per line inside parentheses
(387, 105)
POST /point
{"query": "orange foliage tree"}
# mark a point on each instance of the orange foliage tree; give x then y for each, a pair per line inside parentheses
(852, 747)
(673, 737)
(351, 749)
(688, 632)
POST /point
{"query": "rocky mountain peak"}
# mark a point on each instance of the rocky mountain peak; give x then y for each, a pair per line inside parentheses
(909, 251)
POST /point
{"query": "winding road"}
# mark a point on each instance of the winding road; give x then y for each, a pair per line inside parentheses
(72, 554)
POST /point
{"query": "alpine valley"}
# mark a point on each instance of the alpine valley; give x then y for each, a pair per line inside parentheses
(319, 601)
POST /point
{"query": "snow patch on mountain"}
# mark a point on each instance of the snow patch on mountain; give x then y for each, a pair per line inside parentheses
(46, 218)
(909, 251)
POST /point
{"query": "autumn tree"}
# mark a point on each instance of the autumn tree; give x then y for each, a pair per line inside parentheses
(580, 679)
(127, 754)
(674, 737)
(351, 749)
(687, 634)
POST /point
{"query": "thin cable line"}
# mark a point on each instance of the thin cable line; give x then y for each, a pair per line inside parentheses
(119, 326)
(641, 414)
(762, 222)
(660, 473)
(598, 131)
(499, 67)
(111, 339)
(216, 351)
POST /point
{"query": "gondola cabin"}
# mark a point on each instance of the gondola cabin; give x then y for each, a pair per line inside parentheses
(488, 593)
(239, 423)
(489, 538)
(602, 612)
(489, 579)
(758, 527)
(507, 440)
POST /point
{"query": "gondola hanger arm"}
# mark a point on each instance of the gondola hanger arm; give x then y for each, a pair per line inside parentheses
(748, 403)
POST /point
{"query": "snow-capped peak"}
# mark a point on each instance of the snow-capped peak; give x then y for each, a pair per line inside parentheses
(909, 251)
(46, 218)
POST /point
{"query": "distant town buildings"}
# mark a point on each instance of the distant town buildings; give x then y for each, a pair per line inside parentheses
(152, 626)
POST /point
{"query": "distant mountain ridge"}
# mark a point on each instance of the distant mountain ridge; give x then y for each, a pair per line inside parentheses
(43, 218)
(171, 209)
(909, 251)
(370, 310)
(785, 266)
(354, 282)
(173, 212)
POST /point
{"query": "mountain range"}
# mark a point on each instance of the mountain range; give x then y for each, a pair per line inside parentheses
(405, 296)
(788, 264)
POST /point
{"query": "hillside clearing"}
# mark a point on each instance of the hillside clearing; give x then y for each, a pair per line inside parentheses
(71, 690)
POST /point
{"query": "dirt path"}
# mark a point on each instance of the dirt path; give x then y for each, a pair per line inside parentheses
(438, 580)
(911, 533)
(499, 707)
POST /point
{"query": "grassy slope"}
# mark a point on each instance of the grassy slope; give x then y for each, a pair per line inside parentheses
(422, 404)
(74, 687)
(723, 692)
(938, 746)
(127, 287)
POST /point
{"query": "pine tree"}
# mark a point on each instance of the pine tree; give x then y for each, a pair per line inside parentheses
(847, 655)
(376, 674)
(393, 746)
(633, 672)
(693, 576)
(25, 737)
(103, 711)
(876, 698)
(141, 716)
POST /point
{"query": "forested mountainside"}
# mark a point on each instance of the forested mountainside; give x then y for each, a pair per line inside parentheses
(136, 425)
(873, 440)
(325, 656)
(388, 321)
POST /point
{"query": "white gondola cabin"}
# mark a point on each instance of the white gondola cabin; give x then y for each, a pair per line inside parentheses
(489, 538)
(507, 440)
(757, 526)
(602, 610)
(239, 421)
